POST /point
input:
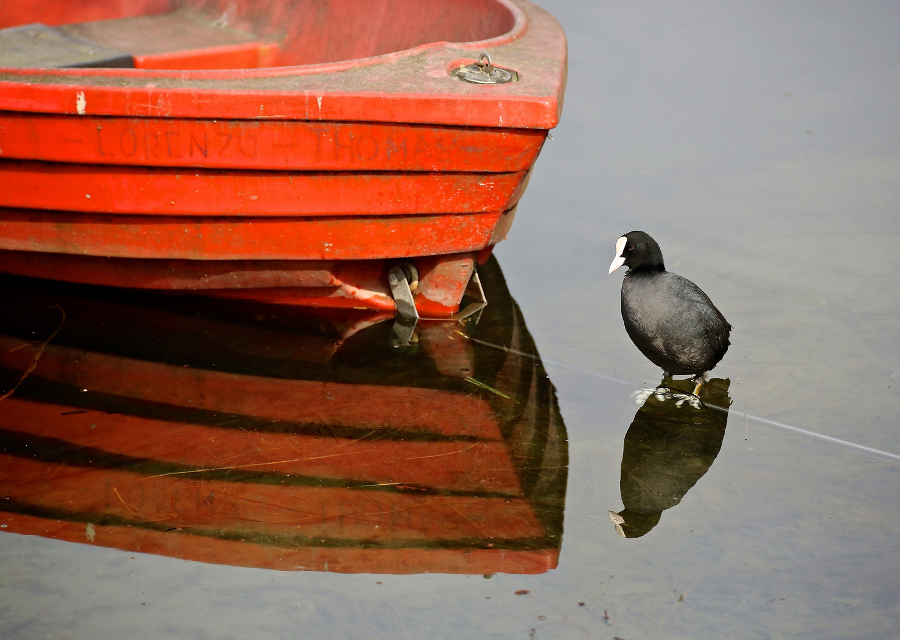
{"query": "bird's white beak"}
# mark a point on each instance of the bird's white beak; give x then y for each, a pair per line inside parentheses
(620, 257)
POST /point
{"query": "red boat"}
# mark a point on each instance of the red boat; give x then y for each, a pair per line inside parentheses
(291, 152)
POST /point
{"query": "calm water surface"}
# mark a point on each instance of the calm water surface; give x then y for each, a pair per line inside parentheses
(759, 145)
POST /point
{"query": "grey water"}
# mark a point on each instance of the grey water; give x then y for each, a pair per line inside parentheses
(759, 144)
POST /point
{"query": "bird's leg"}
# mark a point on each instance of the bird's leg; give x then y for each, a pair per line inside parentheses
(666, 391)
(664, 383)
(700, 378)
(691, 399)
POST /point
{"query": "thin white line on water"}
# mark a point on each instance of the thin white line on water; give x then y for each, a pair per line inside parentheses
(760, 419)
(816, 434)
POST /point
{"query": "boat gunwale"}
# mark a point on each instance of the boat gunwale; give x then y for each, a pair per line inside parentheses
(520, 26)
(409, 86)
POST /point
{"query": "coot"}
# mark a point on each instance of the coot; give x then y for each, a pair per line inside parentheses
(667, 317)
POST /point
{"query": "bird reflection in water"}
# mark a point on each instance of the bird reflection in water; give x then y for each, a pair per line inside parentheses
(670, 445)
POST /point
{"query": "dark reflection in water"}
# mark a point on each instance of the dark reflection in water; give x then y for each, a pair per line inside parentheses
(260, 436)
(669, 446)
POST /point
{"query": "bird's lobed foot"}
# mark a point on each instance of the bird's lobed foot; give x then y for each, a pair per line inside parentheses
(663, 394)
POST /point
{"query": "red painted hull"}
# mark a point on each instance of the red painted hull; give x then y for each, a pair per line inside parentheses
(328, 141)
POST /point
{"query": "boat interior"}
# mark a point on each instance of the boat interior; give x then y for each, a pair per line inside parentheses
(229, 34)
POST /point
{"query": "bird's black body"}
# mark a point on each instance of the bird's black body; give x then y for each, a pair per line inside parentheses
(673, 323)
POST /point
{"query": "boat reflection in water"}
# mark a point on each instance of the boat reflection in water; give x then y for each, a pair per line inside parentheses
(669, 446)
(255, 436)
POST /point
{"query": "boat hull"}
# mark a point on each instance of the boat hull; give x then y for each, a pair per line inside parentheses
(297, 183)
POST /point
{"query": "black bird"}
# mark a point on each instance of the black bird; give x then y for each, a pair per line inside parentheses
(668, 317)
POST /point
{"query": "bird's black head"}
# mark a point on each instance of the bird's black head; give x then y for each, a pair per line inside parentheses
(638, 251)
